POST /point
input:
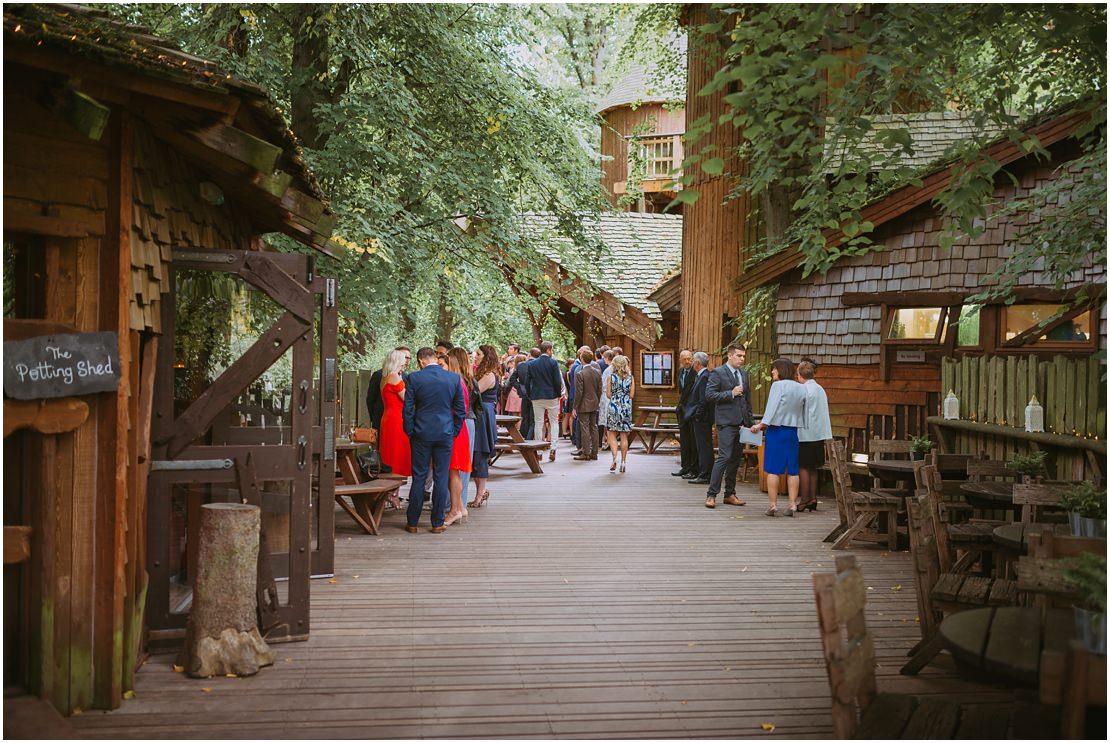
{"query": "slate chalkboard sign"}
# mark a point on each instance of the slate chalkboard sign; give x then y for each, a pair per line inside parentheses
(61, 365)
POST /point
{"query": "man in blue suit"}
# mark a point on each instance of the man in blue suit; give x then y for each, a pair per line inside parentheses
(545, 388)
(433, 416)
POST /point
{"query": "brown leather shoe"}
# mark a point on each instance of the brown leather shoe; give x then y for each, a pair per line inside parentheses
(411, 529)
(581, 458)
(732, 500)
(438, 529)
(711, 502)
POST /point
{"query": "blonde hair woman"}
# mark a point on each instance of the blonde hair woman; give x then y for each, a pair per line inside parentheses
(394, 447)
(618, 416)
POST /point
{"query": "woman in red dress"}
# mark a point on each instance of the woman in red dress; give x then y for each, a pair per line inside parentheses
(460, 454)
(393, 444)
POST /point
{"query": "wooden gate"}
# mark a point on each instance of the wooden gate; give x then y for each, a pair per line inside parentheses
(203, 453)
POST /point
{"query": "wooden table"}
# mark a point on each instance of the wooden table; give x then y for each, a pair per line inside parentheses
(368, 497)
(1005, 643)
(655, 433)
(1015, 537)
(895, 470)
(989, 494)
(529, 450)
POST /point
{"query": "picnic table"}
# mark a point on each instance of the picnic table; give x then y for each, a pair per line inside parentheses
(1015, 537)
(513, 441)
(1005, 643)
(368, 497)
(989, 494)
(655, 433)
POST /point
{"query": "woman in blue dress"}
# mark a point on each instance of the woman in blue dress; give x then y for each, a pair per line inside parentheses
(618, 416)
(783, 415)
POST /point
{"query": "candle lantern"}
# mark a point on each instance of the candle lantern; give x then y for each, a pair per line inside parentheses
(951, 407)
(1034, 415)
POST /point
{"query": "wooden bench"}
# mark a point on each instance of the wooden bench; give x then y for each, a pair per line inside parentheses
(368, 500)
(653, 437)
(859, 711)
(528, 449)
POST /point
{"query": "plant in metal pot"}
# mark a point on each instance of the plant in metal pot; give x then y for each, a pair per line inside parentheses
(1086, 573)
(1029, 465)
(920, 446)
(1085, 503)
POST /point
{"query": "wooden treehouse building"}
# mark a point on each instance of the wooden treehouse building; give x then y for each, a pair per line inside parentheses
(883, 326)
(132, 171)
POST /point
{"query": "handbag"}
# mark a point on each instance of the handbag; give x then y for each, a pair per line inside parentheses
(364, 436)
(370, 463)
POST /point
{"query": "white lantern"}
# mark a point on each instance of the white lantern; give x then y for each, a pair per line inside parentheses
(951, 407)
(1034, 415)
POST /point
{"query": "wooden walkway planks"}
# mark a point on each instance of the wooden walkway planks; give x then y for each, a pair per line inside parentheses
(577, 604)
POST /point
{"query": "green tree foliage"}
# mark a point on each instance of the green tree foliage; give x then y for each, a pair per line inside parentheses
(418, 119)
(814, 157)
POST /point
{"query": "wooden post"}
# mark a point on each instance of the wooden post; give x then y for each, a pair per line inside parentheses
(222, 635)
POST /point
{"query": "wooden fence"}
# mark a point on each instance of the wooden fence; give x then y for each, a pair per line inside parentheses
(996, 389)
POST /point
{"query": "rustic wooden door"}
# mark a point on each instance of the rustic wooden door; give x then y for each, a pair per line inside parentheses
(205, 449)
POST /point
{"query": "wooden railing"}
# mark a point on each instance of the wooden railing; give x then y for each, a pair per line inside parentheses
(993, 393)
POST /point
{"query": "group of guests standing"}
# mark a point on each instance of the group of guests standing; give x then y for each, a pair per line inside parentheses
(795, 425)
(440, 419)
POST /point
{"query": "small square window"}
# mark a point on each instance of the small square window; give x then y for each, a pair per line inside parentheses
(656, 369)
(915, 323)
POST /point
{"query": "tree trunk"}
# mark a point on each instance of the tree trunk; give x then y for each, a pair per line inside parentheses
(313, 81)
(445, 316)
(222, 634)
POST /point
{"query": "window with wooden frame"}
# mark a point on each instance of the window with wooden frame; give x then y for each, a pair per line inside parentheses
(916, 325)
(659, 156)
(1046, 326)
(657, 368)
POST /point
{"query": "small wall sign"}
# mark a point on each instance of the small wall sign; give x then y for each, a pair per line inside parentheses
(910, 357)
(61, 365)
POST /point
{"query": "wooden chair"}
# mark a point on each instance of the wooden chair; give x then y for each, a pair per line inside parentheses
(879, 449)
(974, 540)
(1075, 679)
(1034, 498)
(859, 711)
(859, 511)
(937, 587)
(1040, 575)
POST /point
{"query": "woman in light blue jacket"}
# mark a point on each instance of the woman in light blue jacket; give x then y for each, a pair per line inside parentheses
(783, 415)
(812, 438)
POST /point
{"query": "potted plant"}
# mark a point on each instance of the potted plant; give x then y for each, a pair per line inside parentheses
(1086, 506)
(1087, 574)
(921, 445)
(1029, 465)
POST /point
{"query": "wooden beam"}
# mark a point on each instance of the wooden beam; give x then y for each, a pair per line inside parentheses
(17, 544)
(263, 273)
(21, 330)
(1047, 439)
(37, 224)
(58, 415)
(947, 298)
(257, 154)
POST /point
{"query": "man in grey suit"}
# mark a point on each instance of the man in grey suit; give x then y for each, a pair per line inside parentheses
(587, 399)
(726, 392)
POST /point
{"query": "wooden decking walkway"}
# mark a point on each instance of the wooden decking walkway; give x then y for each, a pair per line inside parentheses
(577, 604)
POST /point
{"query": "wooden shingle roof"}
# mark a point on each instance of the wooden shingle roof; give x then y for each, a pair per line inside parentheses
(643, 84)
(639, 250)
(932, 135)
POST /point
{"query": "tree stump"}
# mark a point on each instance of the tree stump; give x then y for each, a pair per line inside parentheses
(222, 634)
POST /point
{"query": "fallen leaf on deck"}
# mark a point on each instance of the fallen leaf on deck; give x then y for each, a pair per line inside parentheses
(205, 689)
(232, 675)
(728, 668)
(76, 711)
(354, 576)
(179, 669)
(129, 694)
(896, 588)
(333, 580)
(684, 701)
(565, 580)
(691, 644)
(744, 569)
(870, 588)
(767, 726)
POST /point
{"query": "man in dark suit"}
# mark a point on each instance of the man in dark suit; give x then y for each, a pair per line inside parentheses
(689, 450)
(545, 389)
(433, 415)
(726, 391)
(587, 399)
(699, 416)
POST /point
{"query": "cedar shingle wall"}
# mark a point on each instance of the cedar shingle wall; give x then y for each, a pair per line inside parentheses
(170, 213)
(811, 321)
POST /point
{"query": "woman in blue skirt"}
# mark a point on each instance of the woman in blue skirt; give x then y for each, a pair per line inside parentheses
(783, 415)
